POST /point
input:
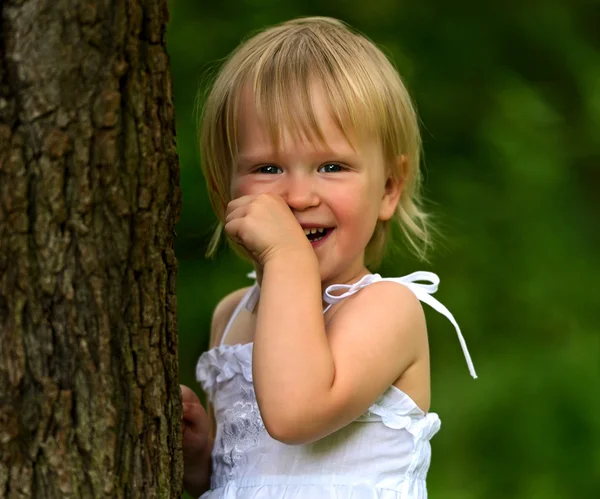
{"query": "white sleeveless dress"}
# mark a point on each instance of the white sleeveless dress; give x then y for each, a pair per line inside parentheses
(384, 454)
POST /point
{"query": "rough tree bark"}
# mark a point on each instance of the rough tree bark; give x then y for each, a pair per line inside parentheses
(89, 196)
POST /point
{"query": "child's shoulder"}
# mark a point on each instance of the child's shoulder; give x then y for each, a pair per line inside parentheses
(388, 307)
(396, 299)
(393, 297)
(390, 312)
(223, 311)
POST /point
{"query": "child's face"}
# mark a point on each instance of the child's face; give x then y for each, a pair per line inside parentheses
(332, 186)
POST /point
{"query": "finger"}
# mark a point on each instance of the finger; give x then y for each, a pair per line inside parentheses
(188, 395)
(192, 442)
(239, 212)
(237, 202)
(233, 228)
(195, 418)
(241, 231)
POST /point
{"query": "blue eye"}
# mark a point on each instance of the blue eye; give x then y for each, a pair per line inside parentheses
(269, 169)
(331, 168)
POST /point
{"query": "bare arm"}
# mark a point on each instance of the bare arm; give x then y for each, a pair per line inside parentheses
(311, 381)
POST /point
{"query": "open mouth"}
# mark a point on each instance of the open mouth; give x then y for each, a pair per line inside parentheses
(316, 234)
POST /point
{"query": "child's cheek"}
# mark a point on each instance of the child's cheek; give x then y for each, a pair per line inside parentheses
(246, 186)
(356, 211)
(351, 203)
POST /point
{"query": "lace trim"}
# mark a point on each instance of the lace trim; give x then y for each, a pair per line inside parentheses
(239, 432)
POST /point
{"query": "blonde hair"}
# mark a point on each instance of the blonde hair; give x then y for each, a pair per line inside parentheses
(366, 96)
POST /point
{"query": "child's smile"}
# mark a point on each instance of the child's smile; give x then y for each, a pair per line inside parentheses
(315, 235)
(337, 190)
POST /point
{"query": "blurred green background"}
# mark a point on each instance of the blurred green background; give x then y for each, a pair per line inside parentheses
(509, 97)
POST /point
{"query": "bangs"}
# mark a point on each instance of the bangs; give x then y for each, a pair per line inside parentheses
(285, 77)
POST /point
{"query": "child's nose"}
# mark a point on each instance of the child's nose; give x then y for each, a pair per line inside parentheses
(300, 193)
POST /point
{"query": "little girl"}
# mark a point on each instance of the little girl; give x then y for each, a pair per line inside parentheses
(318, 375)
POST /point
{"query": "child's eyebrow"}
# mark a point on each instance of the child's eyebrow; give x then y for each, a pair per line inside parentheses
(252, 160)
(346, 156)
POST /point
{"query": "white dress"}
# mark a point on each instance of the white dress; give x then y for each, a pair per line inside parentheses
(384, 454)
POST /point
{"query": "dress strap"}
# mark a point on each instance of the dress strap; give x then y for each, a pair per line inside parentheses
(254, 294)
(249, 301)
(414, 282)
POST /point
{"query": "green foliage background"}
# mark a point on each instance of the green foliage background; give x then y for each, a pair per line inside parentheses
(509, 96)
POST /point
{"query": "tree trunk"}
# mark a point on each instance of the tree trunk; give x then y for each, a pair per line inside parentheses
(89, 196)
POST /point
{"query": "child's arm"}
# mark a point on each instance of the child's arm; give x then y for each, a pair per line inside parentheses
(199, 425)
(310, 381)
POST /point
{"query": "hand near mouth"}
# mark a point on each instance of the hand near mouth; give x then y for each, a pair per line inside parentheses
(266, 227)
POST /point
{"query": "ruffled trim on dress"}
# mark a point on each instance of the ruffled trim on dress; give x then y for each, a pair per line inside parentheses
(222, 363)
(396, 410)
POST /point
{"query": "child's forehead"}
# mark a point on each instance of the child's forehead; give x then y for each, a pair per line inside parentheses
(309, 125)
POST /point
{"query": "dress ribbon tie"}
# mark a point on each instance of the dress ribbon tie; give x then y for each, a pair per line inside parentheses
(416, 283)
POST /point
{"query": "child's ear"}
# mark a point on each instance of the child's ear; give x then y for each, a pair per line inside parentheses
(394, 185)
